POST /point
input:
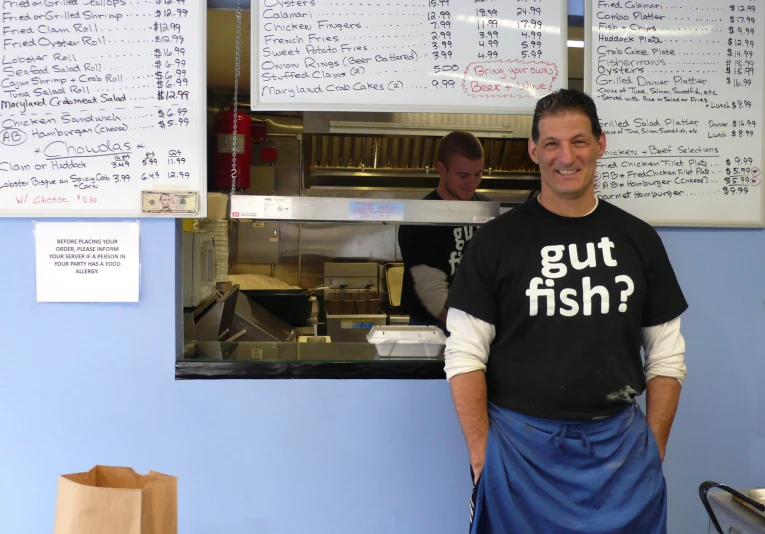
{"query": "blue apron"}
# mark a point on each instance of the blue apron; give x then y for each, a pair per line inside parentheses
(556, 477)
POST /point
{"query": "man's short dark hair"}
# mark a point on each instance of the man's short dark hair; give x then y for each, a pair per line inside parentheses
(459, 143)
(565, 101)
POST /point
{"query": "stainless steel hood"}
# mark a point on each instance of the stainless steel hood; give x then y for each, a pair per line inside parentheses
(418, 124)
(399, 150)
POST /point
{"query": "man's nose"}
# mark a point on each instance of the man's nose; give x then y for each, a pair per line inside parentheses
(566, 154)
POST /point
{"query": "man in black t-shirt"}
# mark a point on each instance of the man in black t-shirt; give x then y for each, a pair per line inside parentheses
(547, 314)
(432, 253)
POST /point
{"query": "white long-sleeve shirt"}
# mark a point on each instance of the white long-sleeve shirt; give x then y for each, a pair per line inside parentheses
(469, 342)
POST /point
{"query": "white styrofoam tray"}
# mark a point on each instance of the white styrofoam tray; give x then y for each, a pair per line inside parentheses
(402, 341)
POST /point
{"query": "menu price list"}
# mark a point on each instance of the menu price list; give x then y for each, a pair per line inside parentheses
(692, 72)
(445, 49)
(95, 100)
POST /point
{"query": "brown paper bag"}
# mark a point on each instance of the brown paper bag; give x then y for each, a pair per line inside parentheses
(116, 500)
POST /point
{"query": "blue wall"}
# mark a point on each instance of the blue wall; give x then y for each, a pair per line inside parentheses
(84, 384)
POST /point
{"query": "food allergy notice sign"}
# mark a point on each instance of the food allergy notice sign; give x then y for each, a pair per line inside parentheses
(87, 261)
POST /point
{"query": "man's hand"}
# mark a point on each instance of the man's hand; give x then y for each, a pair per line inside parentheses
(662, 398)
(471, 405)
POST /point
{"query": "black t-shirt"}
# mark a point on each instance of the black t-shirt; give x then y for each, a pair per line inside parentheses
(440, 247)
(568, 298)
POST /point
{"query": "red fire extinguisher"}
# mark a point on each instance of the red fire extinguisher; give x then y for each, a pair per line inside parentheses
(223, 129)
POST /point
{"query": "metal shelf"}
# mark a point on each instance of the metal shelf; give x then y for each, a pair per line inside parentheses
(324, 209)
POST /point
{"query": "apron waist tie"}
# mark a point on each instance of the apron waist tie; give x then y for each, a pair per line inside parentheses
(558, 438)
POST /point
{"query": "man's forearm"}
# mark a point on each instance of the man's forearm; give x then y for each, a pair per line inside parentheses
(470, 402)
(662, 397)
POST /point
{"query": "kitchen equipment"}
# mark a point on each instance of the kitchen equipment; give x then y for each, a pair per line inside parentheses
(354, 275)
(394, 282)
(290, 305)
(258, 323)
(314, 339)
(352, 300)
(351, 314)
(220, 233)
(211, 320)
(744, 513)
(198, 267)
(407, 341)
(257, 242)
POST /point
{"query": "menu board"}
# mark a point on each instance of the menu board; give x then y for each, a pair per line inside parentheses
(419, 55)
(101, 101)
(679, 90)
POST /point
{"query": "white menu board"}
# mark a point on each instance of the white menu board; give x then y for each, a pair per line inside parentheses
(101, 100)
(458, 56)
(679, 90)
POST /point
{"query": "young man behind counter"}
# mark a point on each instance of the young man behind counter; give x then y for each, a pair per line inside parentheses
(432, 253)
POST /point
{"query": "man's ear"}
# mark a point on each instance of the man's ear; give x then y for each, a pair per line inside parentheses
(441, 168)
(533, 151)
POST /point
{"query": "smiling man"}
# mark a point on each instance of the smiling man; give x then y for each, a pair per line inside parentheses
(432, 254)
(547, 314)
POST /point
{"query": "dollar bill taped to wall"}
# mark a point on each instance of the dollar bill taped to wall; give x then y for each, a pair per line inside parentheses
(169, 202)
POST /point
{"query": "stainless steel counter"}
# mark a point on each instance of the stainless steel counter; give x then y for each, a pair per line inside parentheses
(734, 518)
(289, 351)
(215, 360)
